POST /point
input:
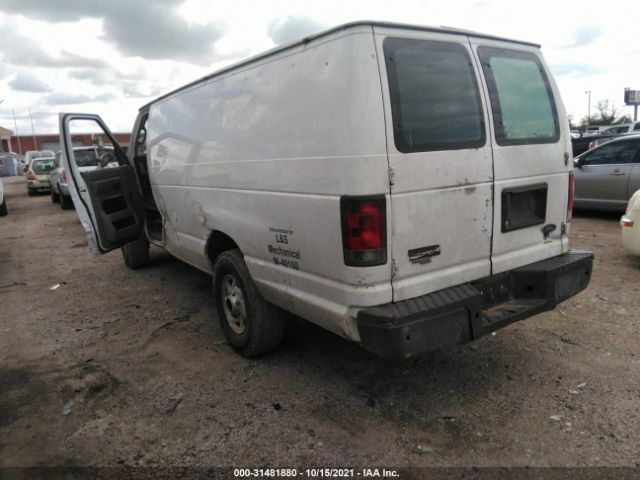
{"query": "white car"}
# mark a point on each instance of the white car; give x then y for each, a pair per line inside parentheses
(3, 201)
(630, 223)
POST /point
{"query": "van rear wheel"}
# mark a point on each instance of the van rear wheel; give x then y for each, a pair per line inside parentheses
(251, 325)
(3, 208)
(55, 197)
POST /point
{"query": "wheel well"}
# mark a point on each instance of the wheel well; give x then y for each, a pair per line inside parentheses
(218, 242)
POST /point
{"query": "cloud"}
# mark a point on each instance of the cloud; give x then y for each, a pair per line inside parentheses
(63, 98)
(575, 69)
(149, 29)
(28, 82)
(24, 51)
(105, 76)
(585, 35)
(133, 90)
(292, 28)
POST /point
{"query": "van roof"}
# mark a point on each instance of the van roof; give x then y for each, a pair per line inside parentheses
(345, 26)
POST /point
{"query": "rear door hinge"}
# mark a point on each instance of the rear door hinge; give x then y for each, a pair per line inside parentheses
(394, 267)
(392, 176)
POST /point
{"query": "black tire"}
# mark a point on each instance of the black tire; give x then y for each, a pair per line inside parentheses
(65, 202)
(136, 253)
(55, 197)
(31, 191)
(3, 208)
(260, 325)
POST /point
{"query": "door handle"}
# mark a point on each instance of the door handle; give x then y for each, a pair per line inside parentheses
(617, 172)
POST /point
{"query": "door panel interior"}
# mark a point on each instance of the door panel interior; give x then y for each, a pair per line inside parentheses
(117, 205)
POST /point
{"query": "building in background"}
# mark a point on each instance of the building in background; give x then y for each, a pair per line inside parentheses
(52, 141)
(48, 141)
(5, 139)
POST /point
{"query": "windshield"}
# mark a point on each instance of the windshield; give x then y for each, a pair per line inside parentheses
(43, 166)
(42, 154)
(89, 158)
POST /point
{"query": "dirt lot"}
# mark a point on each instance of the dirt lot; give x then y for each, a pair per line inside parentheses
(119, 367)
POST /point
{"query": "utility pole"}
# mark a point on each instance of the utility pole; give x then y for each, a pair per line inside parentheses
(33, 132)
(588, 92)
(15, 125)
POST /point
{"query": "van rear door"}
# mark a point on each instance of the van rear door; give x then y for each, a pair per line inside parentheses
(440, 162)
(531, 154)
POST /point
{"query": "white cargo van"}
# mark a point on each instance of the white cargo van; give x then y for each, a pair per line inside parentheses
(407, 188)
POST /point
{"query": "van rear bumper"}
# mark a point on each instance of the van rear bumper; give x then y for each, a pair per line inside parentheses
(469, 311)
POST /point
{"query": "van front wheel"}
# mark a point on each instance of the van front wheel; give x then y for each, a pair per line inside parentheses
(251, 325)
(136, 253)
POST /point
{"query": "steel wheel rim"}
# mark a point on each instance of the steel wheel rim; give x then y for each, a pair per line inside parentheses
(235, 310)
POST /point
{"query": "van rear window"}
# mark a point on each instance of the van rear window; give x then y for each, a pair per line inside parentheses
(521, 99)
(435, 101)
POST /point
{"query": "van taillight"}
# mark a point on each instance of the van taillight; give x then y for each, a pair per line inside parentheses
(570, 199)
(64, 176)
(364, 231)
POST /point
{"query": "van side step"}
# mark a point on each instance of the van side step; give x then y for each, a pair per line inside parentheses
(469, 311)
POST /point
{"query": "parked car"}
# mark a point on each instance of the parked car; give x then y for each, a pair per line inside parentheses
(87, 159)
(630, 224)
(625, 128)
(595, 129)
(3, 201)
(274, 177)
(608, 175)
(38, 174)
(33, 154)
(585, 142)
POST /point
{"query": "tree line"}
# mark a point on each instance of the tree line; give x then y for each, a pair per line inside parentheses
(605, 113)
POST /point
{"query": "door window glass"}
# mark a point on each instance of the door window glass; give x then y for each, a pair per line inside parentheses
(613, 153)
(435, 101)
(523, 108)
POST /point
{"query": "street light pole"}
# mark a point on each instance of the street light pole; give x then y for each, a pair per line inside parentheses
(588, 92)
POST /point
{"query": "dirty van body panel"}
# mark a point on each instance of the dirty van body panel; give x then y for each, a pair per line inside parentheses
(440, 156)
(233, 154)
(531, 154)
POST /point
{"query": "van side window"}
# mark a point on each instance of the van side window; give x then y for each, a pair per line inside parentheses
(435, 101)
(637, 127)
(524, 111)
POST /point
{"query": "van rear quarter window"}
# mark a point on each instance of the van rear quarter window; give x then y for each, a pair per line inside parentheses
(524, 111)
(435, 100)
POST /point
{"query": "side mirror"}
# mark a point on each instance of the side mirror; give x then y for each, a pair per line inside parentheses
(579, 162)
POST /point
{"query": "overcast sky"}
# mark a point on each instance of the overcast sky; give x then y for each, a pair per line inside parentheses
(111, 57)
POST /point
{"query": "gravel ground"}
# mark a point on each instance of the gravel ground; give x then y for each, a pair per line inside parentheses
(130, 368)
